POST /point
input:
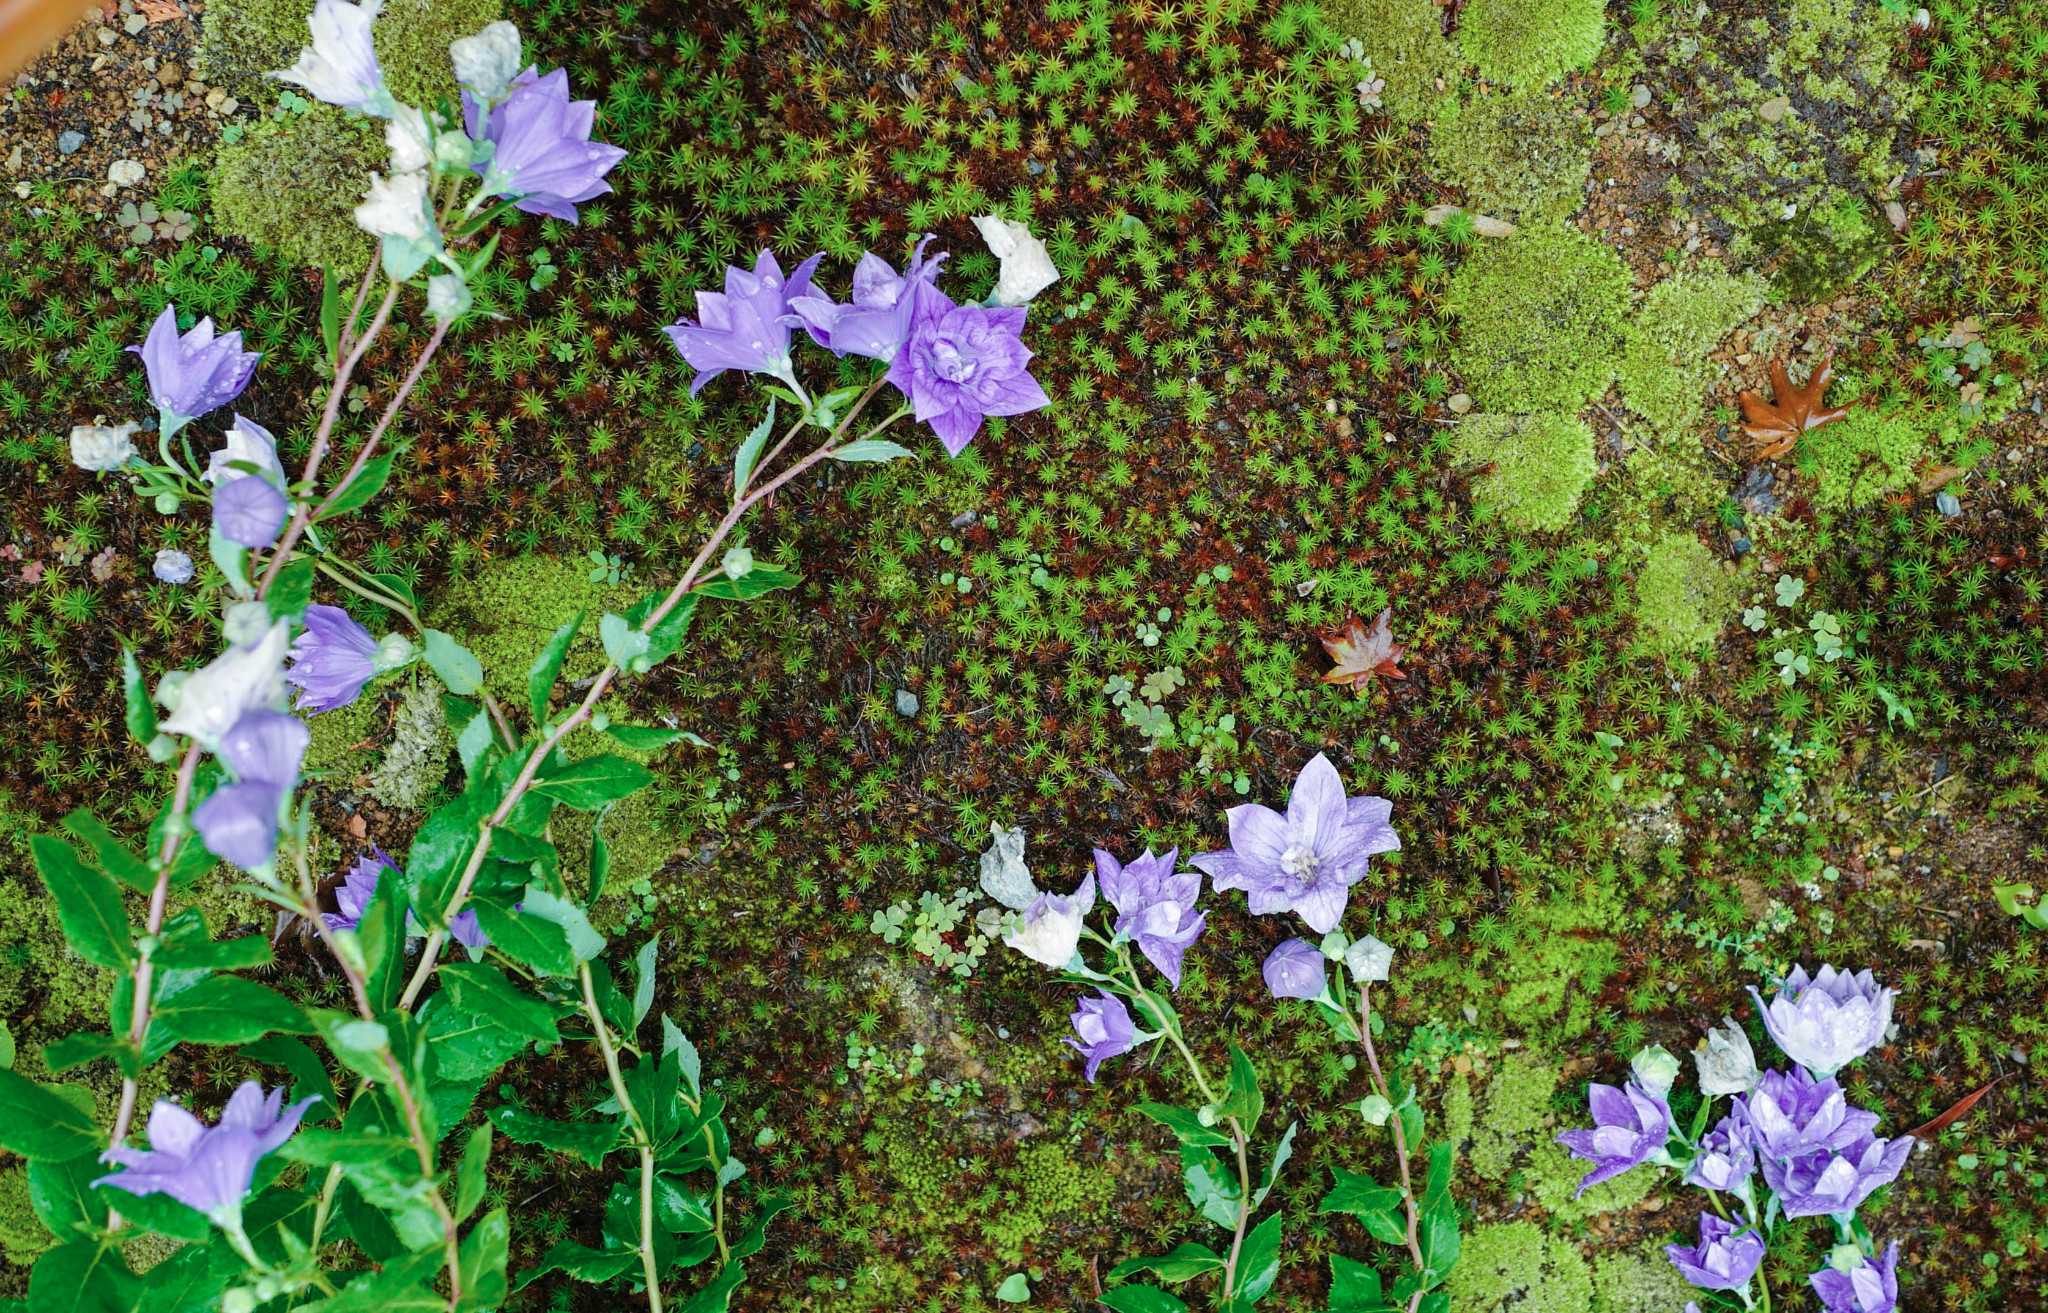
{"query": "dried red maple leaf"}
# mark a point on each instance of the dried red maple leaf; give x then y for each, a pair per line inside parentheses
(1362, 653)
(160, 11)
(1775, 425)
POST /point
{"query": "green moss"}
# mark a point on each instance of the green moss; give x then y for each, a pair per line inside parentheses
(1542, 314)
(1552, 978)
(23, 1236)
(39, 974)
(336, 733)
(412, 44)
(1682, 594)
(1046, 1184)
(1554, 1175)
(1820, 251)
(1541, 464)
(1530, 43)
(241, 40)
(1514, 1266)
(291, 185)
(1664, 373)
(1862, 456)
(1517, 1110)
(1406, 43)
(1458, 1109)
(1520, 157)
(1642, 1281)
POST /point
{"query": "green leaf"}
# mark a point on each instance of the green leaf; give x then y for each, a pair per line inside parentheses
(88, 904)
(643, 979)
(141, 713)
(750, 451)
(482, 1261)
(457, 667)
(590, 1141)
(1243, 1099)
(1014, 1290)
(1410, 1113)
(1184, 1263)
(233, 560)
(873, 449)
(297, 1057)
(473, 742)
(153, 1212)
(187, 945)
(1355, 1288)
(77, 1050)
(292, 590)
(381, 936)
(397, 587)
(1142, 1299)
(1438, 1235)
(766, 1208)
(123, 865)
(674, 1041)
(356, 494)
(330, 316)
(1281, 1153)
(224, 1010)
(642, 738)
(1438, 1187)
(1212, 1187)
(679, 1209)
(359, 1045)
(663, 637)
(584, 941)
(600, 862)
(1258, 1263)
(61, 1194)
(540, 678)
(625, 646)
(757, 582)
(533, 942)
(1184, 1124)
(484, 992)
(715, 1297)
(83, 1277)
(594, 781)
(470, 1173)
(1371, 1203)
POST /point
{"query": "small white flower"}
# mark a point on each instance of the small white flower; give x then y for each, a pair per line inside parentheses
(738, 563)
(448, 297)
(1051, 932)
(243, 678)
(102, 447)
(396, 206)
(1370, 959)
(172, 566)
(1026, 268)
(340, 67)
(251, 442)
(486, 63)
(412, 145)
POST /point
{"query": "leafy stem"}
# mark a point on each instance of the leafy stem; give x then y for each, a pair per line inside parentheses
(1379, 1085)
(643, 1140)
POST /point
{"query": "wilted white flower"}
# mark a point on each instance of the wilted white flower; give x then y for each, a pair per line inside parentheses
(448, 297)
(1725, 1061)
(1026, 268)
(1656, 1069)
(412, 145)
(396, 206)
(1052, 925)
(486, 63)
(102, 447)
(1370, 959)
(172, 566)
(243, 678)
(250, 442)
(340, 67)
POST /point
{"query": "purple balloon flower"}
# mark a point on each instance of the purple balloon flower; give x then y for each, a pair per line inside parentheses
(1104, 1028)
(1630, 1126)
(1725, 1257)
(544, 155)
(1867, 1288)
(746, 326)
(210, 1168)
(1726, 1159)
(332, 660)
(340, 67)
(359, 886)
(1307, 860)
(193, 374)
(1790, 1114)
(249, 512)
(875, 321)
(1155, 906)
(1834, 1183)
(962, 362)
(1829, 1020)
(263, 749)
(1295, 970)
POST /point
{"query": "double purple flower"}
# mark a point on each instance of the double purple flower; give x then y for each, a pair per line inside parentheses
(1155, 906)
(359, 887)
(332, 660)
(961, 363)
(544, 154)
(1294, 970)
(1827, 1021)
(1866, 1288)
(192, 374)
(264, 749)
(1104, 1030)
(1631, 1126)
(1816, 1151)
(1724, 1259)
(209, 1168)
(1725, 1159)
(745, 327)
(1307, 860)
(876, 319)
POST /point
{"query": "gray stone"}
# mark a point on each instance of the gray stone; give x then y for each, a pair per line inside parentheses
(1640, 97)
(906, 702)
(1004, 876)
(964, 520)
(68, 143)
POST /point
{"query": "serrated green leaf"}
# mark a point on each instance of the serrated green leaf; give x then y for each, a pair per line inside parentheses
(223, 1010)
(541, 676)
(1258, 1263)
(292, 590)
(595, 1266)
(471, 1173)
(482, 1262)
(643, 979)
(642, 738)
(1212, 1188)
(1441, 1156)
(1184, 1263)
(1184, 1124)
(1242, 1099)
(1142, 1299)
(297, 1057)
(872, 449)
(360, 490)
(592, 782)
(484, 992)
(750, 451)
(123, 865)
(42, 1125)
(757, 582)
(141, 712)
(590, 1141)
(1355, 1288)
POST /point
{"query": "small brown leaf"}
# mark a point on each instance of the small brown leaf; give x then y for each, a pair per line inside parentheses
(1360, 653)
(1936, 476)
(160, 11)
(103, 565)
(1962, 1105)
(32, 573)
(1775, 426)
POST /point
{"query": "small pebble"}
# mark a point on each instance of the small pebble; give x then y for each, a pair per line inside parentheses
(69, 142)
(1640, 97)
(964, 520)
(906, 702)
(1946, 503)
(106, 36)
(133, 24)
(126, 173)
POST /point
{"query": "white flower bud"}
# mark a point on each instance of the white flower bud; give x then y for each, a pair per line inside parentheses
(448, 297)
(1027, 269)
(1656, 1069)
(486, 63)
(738, 563)
(1370, 959)
(396, 206)
(102, 447)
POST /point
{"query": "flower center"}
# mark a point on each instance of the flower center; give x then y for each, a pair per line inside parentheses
(1300, 861)
(950, 364)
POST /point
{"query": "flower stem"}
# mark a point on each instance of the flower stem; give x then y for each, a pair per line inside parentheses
(1379, 1084)
(649, 1269)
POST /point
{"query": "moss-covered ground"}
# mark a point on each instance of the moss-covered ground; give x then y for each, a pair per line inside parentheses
(1674, 718)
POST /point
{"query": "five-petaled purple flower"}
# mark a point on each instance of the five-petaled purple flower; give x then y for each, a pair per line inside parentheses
(1725, 1258)
(264, 749)
(1630, 1127)
(1294, 970)
(209, 1168)
(747, 325)
(1307, 860)
(193, 374)
(544, 154)
(963, 362)
(1867, 1288)
(1104, 1028)
(1790, 1114)
(1725, 1159)
(875, 320)
(249, 512)
(1829, 1020)
(1155, 905)
(332, 660)
(1832, 1183)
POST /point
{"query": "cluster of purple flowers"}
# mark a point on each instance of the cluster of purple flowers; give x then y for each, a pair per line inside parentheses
(1818, 1155)
(955, 364)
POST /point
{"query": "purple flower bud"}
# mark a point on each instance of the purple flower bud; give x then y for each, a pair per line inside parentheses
(1307, 860)
(544, 154)
(1155, 906)
(1866, 1288)
(1725, 1257)
(193, 374)
(209, 1168)
(172, 566)
(1725, 1160)
(963, 362)
(1826, 1022)
(1630, 1126)
(1831, 1183)
(1295, 970)
(876, 318)
(1790, 1114)
(745, 327)
(1104, 1028)
(264, 749)
(332, 660)
(249, 512)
